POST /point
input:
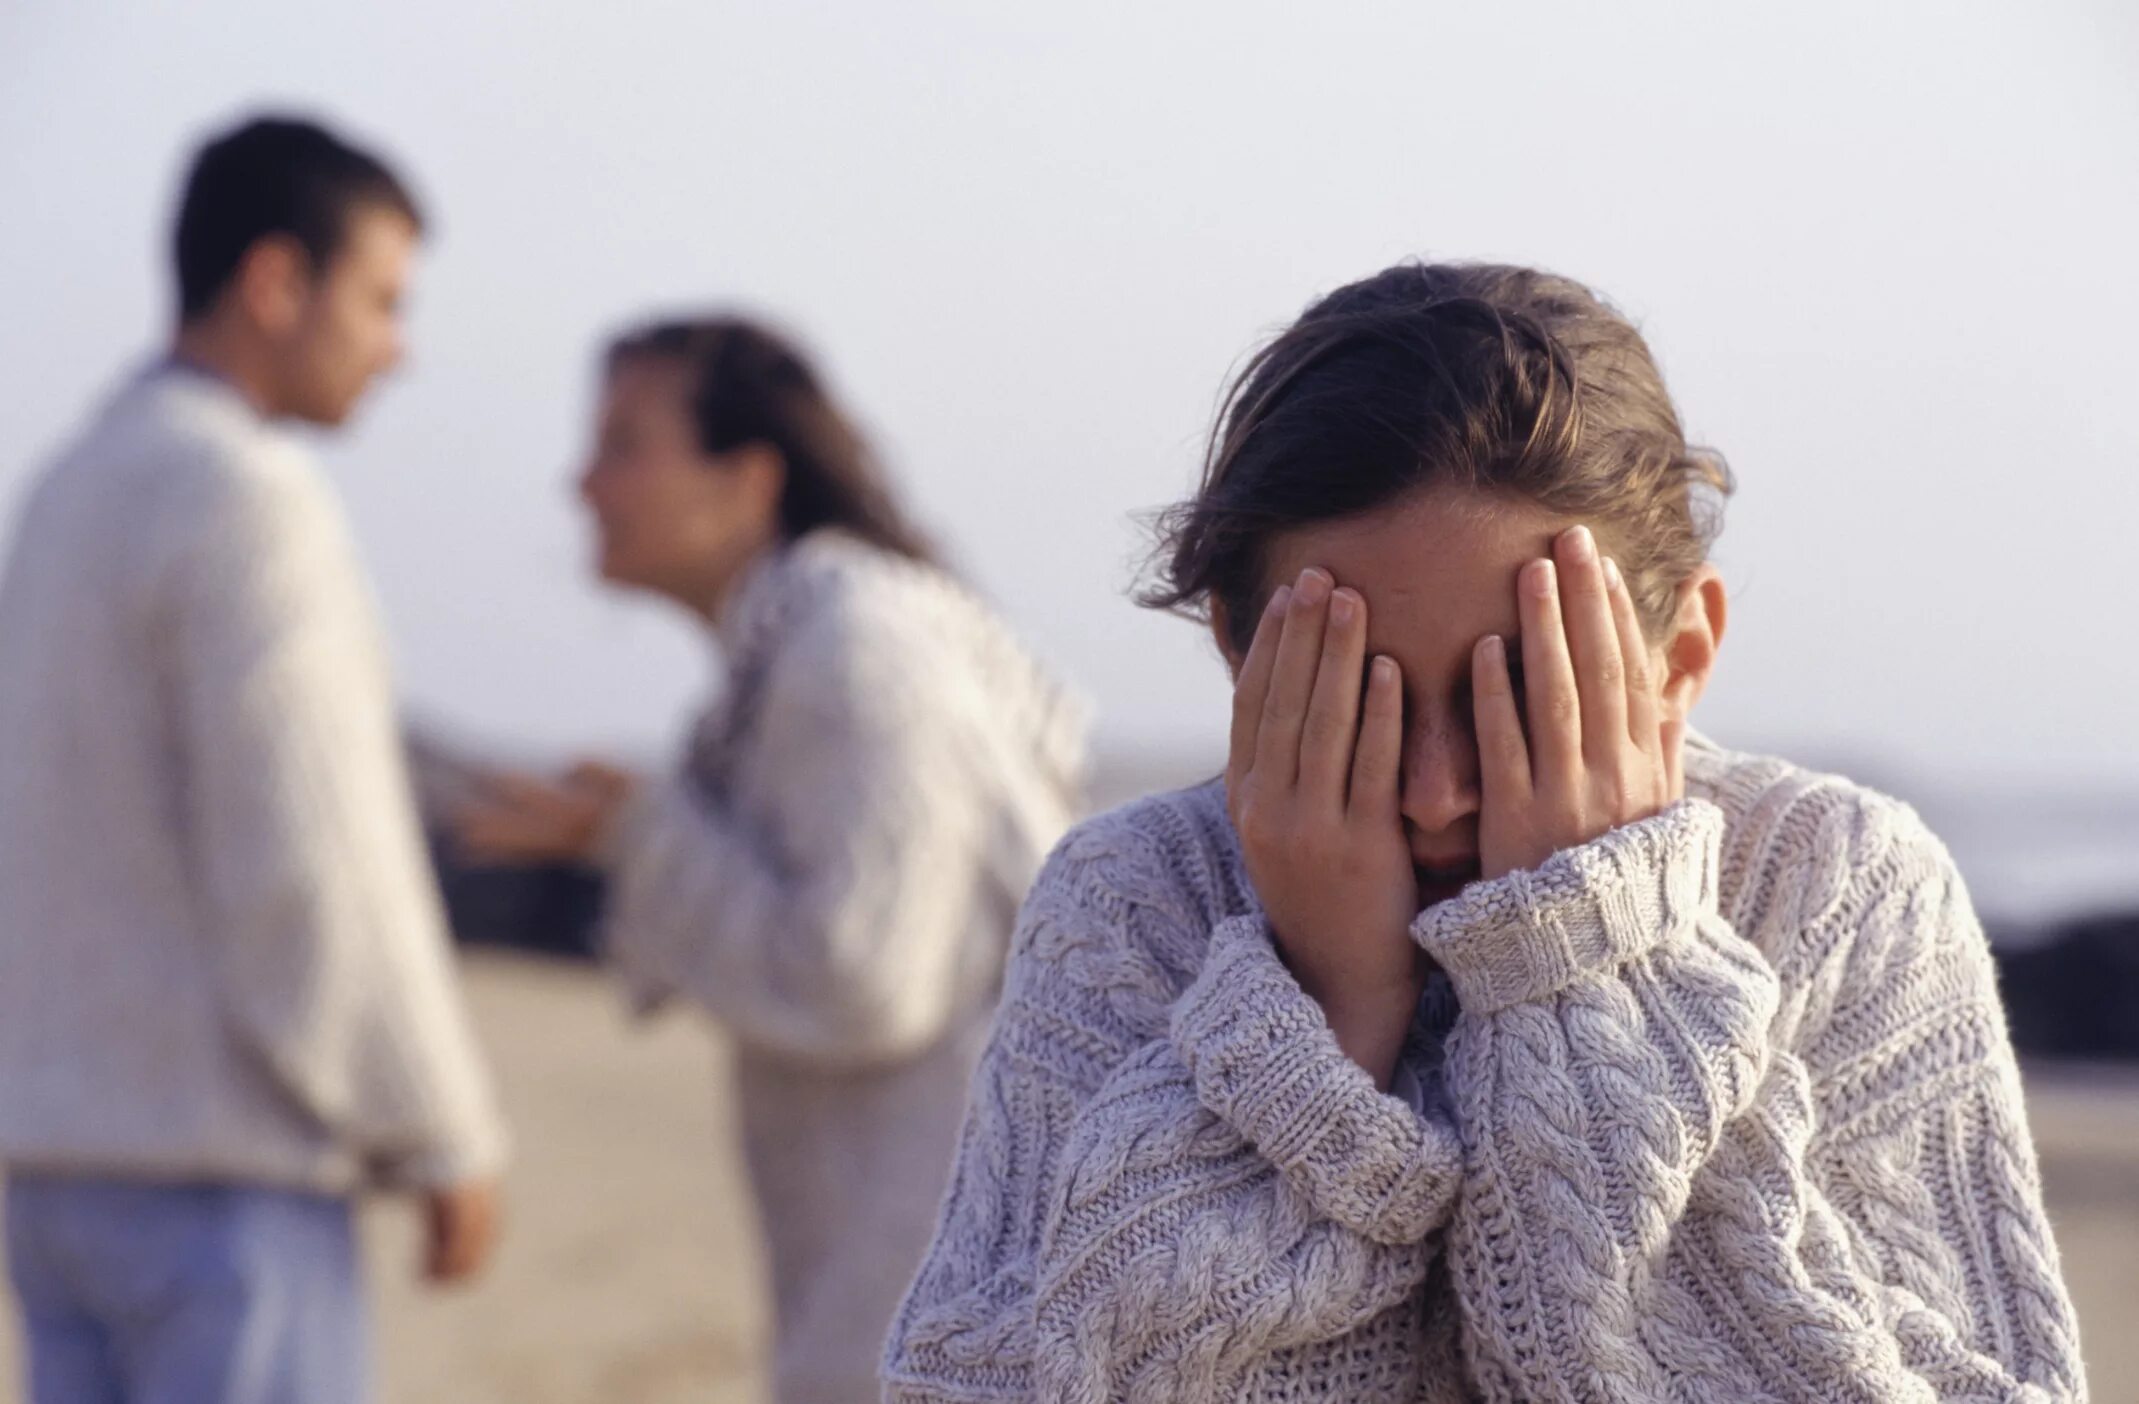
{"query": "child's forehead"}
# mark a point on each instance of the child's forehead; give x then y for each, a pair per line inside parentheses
(1437, 571)
(1440, 548)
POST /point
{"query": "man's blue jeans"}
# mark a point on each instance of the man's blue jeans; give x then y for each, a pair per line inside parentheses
(143, 1293)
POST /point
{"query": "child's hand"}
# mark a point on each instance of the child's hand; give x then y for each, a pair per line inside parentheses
(1311, 785)
(1600, 751)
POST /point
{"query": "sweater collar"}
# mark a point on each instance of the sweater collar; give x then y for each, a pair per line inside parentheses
(747, 614)
(174, 369)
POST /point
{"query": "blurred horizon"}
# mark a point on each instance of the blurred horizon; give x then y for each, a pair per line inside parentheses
(2035, 859)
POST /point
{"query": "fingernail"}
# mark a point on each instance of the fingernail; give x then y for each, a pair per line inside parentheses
(1340, 607)
(1313, 586)
(1492, 648)
(1279, 598)
(1580, 544)
(1611, 574)
(1543, 578)
(1384, 669)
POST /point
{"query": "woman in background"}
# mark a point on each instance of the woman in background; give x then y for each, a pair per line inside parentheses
(834, 873)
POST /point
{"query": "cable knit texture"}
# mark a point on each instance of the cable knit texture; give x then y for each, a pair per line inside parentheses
(834, 877)
(1723, 1109)
(222, 955)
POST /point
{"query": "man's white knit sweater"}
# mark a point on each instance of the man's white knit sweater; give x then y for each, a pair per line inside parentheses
(222, 956)
(1719, 1107)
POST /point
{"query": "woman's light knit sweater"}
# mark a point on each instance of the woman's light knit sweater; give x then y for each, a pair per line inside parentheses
(1723, 1109)
(834, 878)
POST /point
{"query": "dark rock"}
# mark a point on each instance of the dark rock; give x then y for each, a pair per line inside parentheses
(2076, 993)
(551, 909)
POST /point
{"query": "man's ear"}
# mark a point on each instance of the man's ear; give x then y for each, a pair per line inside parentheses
(273, 283)
(1689, 651)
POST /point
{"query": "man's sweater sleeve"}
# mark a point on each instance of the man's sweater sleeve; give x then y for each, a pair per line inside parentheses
(324, 922)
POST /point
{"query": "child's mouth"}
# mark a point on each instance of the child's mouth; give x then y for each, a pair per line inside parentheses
(1443, 881)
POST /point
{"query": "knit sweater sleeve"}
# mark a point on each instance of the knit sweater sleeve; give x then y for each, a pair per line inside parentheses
(829, 918)
(1155, 1196)
(326, 932)
(1678, 1184)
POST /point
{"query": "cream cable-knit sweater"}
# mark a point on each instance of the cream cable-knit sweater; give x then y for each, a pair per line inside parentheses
(834, 878)
(1725, 1110)
(222, 955)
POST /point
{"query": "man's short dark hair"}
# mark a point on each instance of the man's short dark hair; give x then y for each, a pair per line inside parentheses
(273, 175)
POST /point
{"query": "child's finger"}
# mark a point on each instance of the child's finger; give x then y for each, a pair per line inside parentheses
(1292, 681)
(1332, 726)
(1377, 760)
(1555, 710)
(1673, 737)
(1634, 652)
(1593, 645)
(1254, 682)
(1503, 754)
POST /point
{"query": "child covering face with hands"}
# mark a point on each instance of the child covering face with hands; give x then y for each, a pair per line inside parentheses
(1315, 784)
(1485, 1033)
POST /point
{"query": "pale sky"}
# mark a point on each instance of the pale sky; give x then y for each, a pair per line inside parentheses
(1883, 252)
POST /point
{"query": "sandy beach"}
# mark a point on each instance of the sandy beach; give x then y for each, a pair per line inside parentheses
(631, 1272)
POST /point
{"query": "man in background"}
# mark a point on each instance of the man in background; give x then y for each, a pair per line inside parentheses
(227, 1002)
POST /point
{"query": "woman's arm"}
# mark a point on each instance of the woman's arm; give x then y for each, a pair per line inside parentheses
(1654, 1204)
(832, 920)
(1151, 1198)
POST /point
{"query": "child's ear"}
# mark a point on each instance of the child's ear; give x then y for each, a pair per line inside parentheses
(1696, 635)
